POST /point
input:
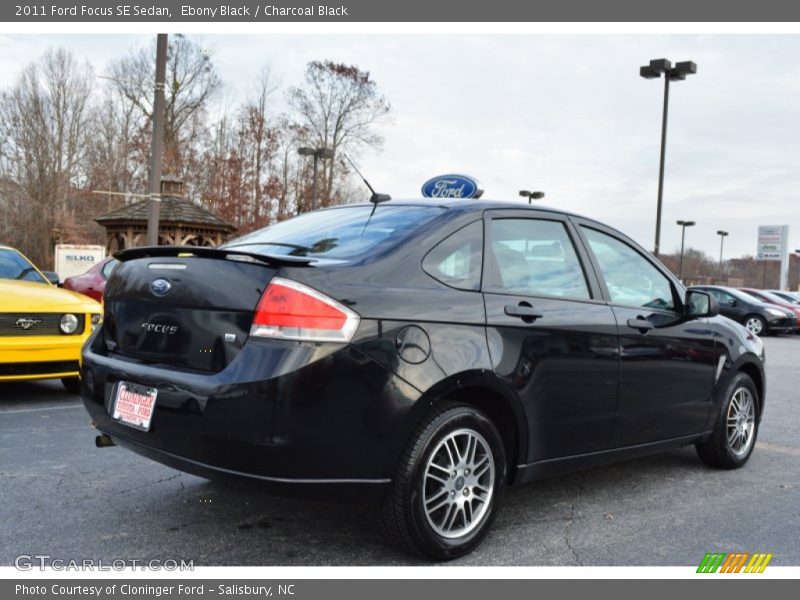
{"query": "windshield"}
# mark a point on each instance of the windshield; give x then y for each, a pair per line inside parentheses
(741, 295)
(341, 233)
(773, 297)
(14, 266)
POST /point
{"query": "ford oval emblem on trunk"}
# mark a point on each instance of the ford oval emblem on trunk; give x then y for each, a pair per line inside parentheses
(452, 186)
(160, 287)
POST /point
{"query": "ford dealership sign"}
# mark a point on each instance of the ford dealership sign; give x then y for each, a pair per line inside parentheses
(452, 186)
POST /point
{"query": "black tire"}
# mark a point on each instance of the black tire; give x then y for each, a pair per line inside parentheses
(764, 329)
(403, 514)
(717, 450)
(72, 384)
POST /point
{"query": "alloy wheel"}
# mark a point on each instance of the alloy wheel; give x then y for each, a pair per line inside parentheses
(458, 483)
(741, 421)
(754, 325)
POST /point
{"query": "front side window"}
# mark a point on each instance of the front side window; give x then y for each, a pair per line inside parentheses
(535, 257)
(631, 279)
(14, 266)
(457, 260)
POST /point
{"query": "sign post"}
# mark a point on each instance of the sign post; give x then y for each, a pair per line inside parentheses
(773, 245)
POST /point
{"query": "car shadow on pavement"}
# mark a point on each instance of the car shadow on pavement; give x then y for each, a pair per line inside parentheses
(240, 524)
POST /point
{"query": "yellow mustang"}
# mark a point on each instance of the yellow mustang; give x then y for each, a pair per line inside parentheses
(42, 327)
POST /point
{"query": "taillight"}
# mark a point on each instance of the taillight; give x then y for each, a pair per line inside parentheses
(292, 311)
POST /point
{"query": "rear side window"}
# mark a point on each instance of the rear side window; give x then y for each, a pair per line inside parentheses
(457, 260)
(631, 279)
(535, 257)
(341, 233)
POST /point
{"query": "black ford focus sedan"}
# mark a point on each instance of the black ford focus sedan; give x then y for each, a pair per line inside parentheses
(419, 355)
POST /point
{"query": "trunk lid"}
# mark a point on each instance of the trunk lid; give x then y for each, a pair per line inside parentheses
(191, 308)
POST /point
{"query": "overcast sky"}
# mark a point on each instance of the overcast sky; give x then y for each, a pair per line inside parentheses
(566, 114)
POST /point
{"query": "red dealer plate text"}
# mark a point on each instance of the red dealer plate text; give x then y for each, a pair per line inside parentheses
(134, 404)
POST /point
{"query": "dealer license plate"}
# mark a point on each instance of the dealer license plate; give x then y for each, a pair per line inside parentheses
(134, 404)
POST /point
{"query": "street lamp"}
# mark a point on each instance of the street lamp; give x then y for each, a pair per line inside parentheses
(317, 153)
(531, 195)
(721, 235)
(684, 225)
(676, 73)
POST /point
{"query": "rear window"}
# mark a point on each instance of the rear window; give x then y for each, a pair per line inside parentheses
(340, 233)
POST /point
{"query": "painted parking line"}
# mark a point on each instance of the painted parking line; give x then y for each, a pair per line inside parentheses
(40, 409)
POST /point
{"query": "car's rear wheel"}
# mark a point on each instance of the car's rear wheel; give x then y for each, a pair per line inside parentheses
(756, 325)
(449, 483)
(72, 384)
(736, 429)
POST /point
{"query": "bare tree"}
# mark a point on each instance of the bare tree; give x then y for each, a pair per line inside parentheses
(191, 84)
(340, 104)
(44, 122)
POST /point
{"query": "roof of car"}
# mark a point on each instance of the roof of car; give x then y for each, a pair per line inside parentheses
(470, 204)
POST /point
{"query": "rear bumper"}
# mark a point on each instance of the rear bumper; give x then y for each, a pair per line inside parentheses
(298, 418)
(40, 357)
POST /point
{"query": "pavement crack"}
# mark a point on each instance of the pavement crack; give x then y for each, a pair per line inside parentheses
(570, 519)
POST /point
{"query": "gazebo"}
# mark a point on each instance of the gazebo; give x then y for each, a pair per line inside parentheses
(181, 222)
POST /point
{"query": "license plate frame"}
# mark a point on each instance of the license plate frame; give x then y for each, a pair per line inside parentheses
(138, 403)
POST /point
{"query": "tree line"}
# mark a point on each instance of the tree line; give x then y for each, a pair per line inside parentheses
(745, 271)
(66, 131)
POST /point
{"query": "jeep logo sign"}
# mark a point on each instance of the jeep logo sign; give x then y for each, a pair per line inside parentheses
(452, 186)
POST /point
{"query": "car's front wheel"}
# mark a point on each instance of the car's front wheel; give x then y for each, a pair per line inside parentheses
(448, 485)
(736, 430)
(756, 325)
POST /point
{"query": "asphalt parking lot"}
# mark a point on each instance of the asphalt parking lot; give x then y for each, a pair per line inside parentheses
(63, 497)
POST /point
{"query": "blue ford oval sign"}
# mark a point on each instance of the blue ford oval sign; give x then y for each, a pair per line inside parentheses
(452, 186)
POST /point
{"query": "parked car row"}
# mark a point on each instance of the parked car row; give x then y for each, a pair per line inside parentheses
(761, 312)
(421, 355)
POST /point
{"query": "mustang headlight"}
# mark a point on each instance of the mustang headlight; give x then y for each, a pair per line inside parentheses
(96, 319)
(69, 324)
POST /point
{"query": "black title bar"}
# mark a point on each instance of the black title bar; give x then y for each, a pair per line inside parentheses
(182, 11)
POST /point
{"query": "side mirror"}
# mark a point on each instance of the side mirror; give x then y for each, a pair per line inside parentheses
(700, 304)
(52, 277)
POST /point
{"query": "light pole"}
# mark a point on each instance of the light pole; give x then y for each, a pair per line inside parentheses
(531, 195)
(676, 73)
(684, 225)
(721, 235)
(317, 153)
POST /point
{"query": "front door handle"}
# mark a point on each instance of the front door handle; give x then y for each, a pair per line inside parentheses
(640, 323)
(523, 311)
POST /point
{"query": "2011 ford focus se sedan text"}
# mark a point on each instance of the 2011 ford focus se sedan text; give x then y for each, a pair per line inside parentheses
(421, 355)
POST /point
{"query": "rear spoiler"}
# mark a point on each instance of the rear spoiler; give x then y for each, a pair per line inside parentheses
(222, 253)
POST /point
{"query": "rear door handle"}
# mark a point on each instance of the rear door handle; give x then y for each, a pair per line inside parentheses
(640, 323)
(523, 311)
